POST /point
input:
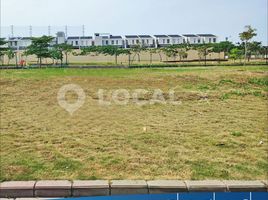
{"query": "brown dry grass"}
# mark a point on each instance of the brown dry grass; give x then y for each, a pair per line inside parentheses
(199, 139)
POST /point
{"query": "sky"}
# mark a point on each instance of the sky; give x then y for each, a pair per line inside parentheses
(224, 18)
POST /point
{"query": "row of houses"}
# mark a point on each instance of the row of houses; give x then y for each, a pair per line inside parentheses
(126, 41)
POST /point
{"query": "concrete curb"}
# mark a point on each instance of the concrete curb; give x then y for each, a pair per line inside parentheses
(77, 188)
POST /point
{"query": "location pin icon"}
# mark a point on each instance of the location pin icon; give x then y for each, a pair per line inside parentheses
(71, 107)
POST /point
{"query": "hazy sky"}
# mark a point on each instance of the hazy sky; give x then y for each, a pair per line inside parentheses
(222, 17)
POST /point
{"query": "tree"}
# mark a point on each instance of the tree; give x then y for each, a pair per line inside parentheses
(2, 48)
(65, 49)
(137, 49)
(224, 47)
(56, 54)
(245, 37)
(236, 53)
(10, 54)
(106, 50)
(254, 48)
(203, 50)
(171, 51)
(40, 48)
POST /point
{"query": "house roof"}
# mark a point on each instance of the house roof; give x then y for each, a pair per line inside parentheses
(77, 37)
(115, 37)
(145, 36)
(174, 35)
(131, 36)
(206, 35)
(160, 36)
(189, 35)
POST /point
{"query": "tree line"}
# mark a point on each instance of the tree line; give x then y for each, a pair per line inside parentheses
(41, 48)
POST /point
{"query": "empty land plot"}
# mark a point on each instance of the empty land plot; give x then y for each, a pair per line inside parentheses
(218, 131)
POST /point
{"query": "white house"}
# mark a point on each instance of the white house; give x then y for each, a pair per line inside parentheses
(78, 42)
(131, 40)
(208, 38)
(108, 39)
(146, 41)
(19, 42)
(175, 39)
(162, 40)
(191, 39)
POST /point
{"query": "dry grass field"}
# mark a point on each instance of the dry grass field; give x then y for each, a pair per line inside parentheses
(219, 131)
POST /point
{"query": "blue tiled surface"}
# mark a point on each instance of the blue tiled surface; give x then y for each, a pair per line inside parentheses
(186, 196)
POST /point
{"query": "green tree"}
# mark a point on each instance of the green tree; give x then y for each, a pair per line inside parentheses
(65, 49)
(10, 54)
(254, 48)
(137, 49)
(245, 37)
(2, 49)
(203, 50)
(235, 54)
(106, 50)
(171, 51)
(40, 48)
(56, 54)
(224, 47)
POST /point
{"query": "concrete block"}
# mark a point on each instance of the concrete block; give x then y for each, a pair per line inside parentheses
(245, 186)
(119, 187)
(12, 189)
(266, 183)
(90, 188)
(166, 186)
(206, 186)
(53, 189)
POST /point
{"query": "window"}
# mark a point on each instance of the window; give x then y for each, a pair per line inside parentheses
(199, 40)
(147, 41)
(133, 42)
(112, 42)
(142, 41)
(194, 40)
(209, 40)
(76, 43)
(168, 41)
(107, 42)
(137, 41)
(214, 40)
(116, 42)
(164, 41)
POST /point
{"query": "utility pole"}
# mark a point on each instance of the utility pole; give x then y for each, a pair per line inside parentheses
(12, 31)
(66, 31)
(83, 30)
(49, 30)
(31, 31)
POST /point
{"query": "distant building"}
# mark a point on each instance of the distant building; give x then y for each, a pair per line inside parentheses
(131, 41)
(162, 41)
(207, 38)
(78, 42)
(146, 41)
(191, 39)
(128, 41)
(19, 43)
(60, 39)
(108, 40)
(175, 39)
